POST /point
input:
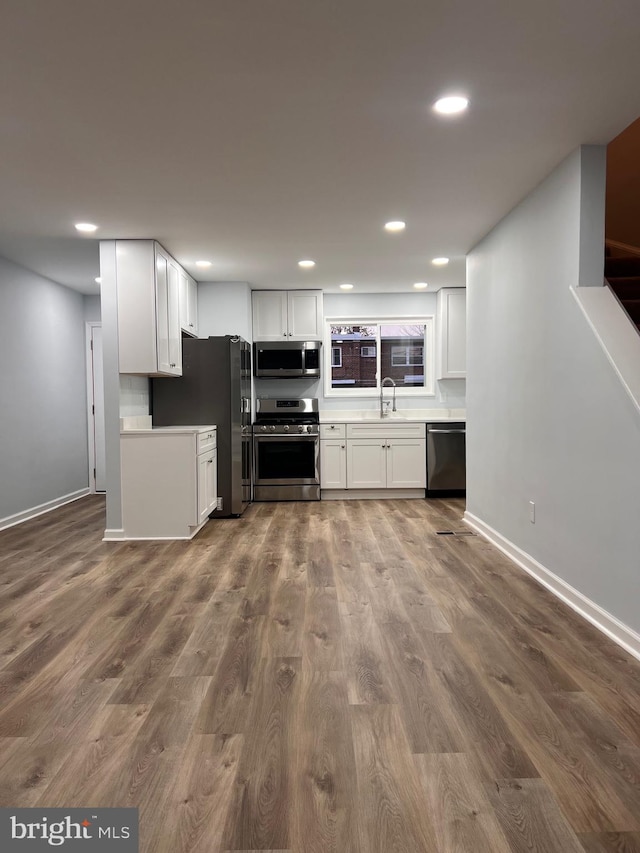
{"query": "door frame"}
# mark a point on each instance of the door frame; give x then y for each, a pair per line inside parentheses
(90, 325)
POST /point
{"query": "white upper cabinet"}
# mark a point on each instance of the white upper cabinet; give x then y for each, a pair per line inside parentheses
(287, 315)
(304, 308)
(147, 281)
(452, 333)
(270, 321)
(188, 304)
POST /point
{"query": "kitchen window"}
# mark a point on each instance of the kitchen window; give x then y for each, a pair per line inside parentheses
(371, 349)
(408, 354)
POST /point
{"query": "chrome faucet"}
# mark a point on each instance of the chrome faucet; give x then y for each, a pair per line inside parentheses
(382, 401)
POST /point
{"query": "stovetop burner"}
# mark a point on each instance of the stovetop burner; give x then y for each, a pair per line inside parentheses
(287, 410)
(265, 419)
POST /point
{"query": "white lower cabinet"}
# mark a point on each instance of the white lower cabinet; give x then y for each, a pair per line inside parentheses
(386, 463)
(333, 463)
(207, 484)
(367, 463)
(406, 463)
(373, 456)
(169, 481)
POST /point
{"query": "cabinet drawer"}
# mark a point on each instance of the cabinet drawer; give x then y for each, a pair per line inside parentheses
(206, 440)
(388, 429)
(332, 431)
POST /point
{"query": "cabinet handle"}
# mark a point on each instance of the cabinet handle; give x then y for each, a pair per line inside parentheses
(343, 446)
(191, 325)
(284, 334)
(210, 461)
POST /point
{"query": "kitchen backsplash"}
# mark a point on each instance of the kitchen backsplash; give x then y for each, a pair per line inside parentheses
(134, 396)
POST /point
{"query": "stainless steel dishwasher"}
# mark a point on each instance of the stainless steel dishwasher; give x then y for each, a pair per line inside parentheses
(446, 457)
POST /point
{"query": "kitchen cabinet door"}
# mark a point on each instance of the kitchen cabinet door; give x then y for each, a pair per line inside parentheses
(269, 309)
(207, 485)
(333, 464)
(188, 304)
(287, 315)
(162, 312)
(366, 463)
(452, 333)
(149, 339)
(173, 318)
(406, 463)
(304, 313)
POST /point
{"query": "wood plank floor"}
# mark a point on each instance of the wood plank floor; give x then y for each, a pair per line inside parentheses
(312, 677)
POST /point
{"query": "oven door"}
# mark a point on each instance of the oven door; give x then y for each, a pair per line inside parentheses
(286, 460)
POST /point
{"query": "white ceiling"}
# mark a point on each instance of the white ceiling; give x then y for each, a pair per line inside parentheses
(258, 132)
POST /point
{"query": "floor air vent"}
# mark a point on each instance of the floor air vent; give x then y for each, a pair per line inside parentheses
(454, 533)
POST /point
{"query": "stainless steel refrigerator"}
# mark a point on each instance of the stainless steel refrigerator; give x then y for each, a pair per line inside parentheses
(215, 388)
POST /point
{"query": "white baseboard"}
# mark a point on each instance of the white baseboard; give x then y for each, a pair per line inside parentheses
(120, 535)
(616, 630)
(114, 534)
(35, 511)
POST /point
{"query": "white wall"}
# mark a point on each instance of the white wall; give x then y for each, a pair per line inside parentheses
(43, 420)
(547, 418)
(224, 308)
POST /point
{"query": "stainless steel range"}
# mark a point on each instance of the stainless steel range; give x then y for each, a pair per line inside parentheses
(286, 450)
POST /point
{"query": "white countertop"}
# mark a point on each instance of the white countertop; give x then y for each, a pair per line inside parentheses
(174, 430)
(403, 416)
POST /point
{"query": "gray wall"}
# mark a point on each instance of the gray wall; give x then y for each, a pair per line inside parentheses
(92, 308)
(548, 420)
(43, 420)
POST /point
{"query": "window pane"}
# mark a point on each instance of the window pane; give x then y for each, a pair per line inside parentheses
(357, 369)
(402, 354)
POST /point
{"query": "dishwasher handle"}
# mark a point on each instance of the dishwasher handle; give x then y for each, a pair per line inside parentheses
(448, 431)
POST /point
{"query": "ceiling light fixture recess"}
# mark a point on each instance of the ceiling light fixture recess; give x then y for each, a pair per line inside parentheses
(86, 227)
(346, 287)
(203, 264)
(395, 225)
(440, 262)
(420, 285)
(451, 105)
(306, 264)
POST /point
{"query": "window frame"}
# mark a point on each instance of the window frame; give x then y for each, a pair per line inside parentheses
(339, 351)
(428, 353)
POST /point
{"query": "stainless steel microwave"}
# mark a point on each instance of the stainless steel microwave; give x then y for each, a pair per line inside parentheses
(286, 359)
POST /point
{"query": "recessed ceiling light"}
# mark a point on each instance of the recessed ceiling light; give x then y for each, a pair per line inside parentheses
(420, 285)
(98, 280)
(203, 264)
(306, 264)
(86, 227)
(395, 225)
(440, 262)
(346, 287)
(451, 105)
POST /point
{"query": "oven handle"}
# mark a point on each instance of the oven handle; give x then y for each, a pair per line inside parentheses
(301, 436)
